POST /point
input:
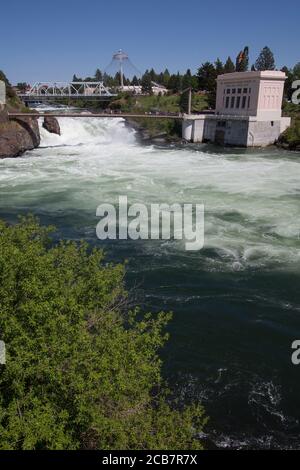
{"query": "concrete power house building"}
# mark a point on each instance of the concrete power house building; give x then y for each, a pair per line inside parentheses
(248, 111)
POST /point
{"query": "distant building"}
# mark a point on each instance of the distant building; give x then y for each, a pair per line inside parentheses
(248, 111)
(134, 89)
(137, 89)
(158, 89)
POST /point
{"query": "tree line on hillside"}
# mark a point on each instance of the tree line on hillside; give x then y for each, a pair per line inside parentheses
(205, 78)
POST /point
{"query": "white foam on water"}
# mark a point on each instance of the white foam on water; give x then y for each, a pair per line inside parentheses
(251, 200)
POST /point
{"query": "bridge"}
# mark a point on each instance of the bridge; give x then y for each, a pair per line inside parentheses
(56, 91)
(95, 115)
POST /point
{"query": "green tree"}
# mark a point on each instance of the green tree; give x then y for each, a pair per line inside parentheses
(207, 76)
(265, 60)
(166, 78)
(135, 81)
(10, 92)
(219, 67)
(296, 71)
(81, 372)
(288, 90)
(174, 83)
(187, 80)
(22, 87)
(146, 83)
(153, 75)
(98, 75)
(229, 66)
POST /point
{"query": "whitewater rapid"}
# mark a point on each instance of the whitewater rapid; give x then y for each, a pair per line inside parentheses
(236, 302)
(251, 198)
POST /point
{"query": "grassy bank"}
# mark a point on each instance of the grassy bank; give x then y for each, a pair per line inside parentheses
(291, 137)
(127, 103)
(169, 128)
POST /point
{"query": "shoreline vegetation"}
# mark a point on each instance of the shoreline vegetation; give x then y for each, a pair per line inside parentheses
(290, 139)
(202, 84)
(18, 135)
(83, 367)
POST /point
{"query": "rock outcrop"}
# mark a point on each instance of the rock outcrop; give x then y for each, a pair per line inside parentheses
(51, 125)
(17, 135)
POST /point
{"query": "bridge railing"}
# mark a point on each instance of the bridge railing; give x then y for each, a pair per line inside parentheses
(67, 89)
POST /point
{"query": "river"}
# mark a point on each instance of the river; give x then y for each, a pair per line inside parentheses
(236, 302)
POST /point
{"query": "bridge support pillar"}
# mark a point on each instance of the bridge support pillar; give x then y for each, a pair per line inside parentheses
(193, 128)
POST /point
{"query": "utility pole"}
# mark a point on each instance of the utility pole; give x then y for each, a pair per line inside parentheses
(189, 90)
(190, 101)
(121, 75)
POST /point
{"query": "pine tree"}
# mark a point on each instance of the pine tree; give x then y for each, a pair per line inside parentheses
(98, 75)
(186, 80)
(265, 60)
(219, 67)
(288, 90)
(146, 83)
(166, 78)
(229, 66)
(153, 75)
(296, 71)
(207, 77)
(174, 83)
(134, 81)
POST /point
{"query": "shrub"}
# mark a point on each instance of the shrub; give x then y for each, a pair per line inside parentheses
(81, 370)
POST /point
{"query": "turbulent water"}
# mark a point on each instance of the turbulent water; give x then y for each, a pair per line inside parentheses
(236, 302)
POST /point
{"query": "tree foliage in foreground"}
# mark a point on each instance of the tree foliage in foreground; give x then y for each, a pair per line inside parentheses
(80, 371)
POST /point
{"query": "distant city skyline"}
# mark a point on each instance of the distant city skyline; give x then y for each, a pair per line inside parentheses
(42, 41)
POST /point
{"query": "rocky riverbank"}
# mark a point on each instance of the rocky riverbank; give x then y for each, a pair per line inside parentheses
(21, 134)
(17, 135)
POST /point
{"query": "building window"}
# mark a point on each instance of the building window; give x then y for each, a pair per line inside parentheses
(244, 102)
(232, 102)
(248, 101)
(239, 90)
(245, 90)
(238, 101)
(272, 123)
(233, 90)
(228, 91)
(227, 102)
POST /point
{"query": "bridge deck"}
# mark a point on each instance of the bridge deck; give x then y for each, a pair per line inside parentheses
(95, 115)
(41, 98)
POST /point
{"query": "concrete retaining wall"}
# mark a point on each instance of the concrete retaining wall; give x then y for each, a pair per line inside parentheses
(228, 130)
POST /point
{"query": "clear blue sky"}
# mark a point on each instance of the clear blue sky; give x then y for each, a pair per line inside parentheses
(51, 40)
